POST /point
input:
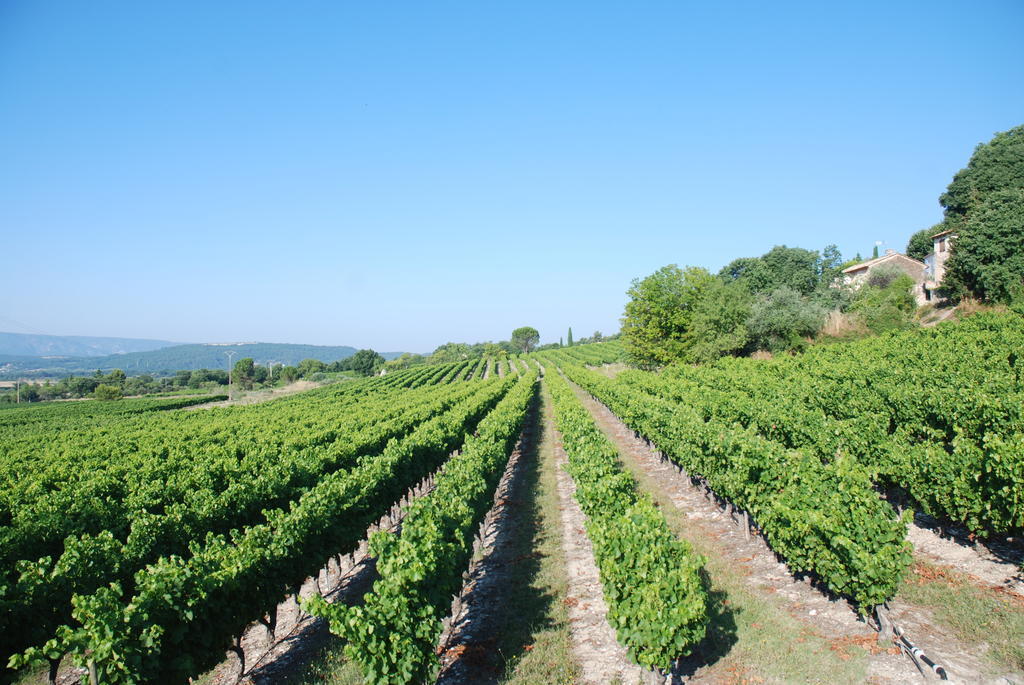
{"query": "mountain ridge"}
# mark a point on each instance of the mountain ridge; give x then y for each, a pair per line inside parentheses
(175, 357)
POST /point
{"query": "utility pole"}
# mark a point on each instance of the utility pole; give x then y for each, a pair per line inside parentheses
(230, 354)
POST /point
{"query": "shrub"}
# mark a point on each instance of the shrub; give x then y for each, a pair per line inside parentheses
(107, 392)
(783, 319)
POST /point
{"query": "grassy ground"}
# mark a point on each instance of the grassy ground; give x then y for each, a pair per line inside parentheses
(976, 615)
(542, 628)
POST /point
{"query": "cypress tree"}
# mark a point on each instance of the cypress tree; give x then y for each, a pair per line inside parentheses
(570, 336)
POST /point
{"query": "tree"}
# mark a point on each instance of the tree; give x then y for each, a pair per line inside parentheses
(981, 199)
(107, 392)
(658, 314)
(525, 338)
(920, 244)
(288, 374)
(365, 362)
(988, 254)
(886, 303)
(719, 323)
(30, 392)
(242, 374)
(451, 352)
(568, 340)
(830, 265)
(596, 337)
(882, 276)
(781, 320)
(307, 367)
(793, 267)
(994, 166)
(405, 361)
(494, 351)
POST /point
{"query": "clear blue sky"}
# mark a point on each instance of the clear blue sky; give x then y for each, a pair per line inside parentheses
(397, 175)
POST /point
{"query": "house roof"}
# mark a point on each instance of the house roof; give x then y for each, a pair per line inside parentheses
(878, 260)
(943, 233)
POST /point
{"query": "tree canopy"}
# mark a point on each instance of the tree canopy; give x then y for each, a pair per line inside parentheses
(780, 320)
(982, 204)
(659, 313)
(525, 338)
(996, 165)
(792, 267)
(243, 373)
(365, 362)
(920, 244)
(988, 255)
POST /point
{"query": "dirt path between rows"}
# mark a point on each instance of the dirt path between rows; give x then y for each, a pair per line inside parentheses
(468, 646)
(833, 619)
(602, 659)
(978, 561)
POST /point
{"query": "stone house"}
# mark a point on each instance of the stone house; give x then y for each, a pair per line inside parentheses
(857, 274)
(935, 263)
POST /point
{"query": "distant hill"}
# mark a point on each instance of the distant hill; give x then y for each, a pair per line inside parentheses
(170, 359)
(32, 345)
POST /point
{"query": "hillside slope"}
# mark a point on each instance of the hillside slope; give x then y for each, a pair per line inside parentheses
(170, 359)
(32, 345)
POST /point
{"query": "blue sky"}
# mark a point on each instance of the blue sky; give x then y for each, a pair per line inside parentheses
(398, 175)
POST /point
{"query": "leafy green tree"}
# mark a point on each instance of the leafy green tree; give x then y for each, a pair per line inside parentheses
(104, 391)
(494, 350)
(988, 254)
(405, 361)
(792, 267)
(365, 362)
(886, 304)
(307, 367)
(116, 377)
(525, 338)
(719, 323)
(288, 374)
(451, 352)
(782, 319)
(994, 166)
(80, 386)
(830, 265)
(883, 276)
(659, 312)
(30, 393)
(242, 374)
(920, 244)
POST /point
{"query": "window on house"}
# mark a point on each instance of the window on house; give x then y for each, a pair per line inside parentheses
(942, 245)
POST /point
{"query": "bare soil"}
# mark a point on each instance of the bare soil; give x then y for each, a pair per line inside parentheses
(243, 397)
(602, 659)
(996, 564)
(468, 645)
